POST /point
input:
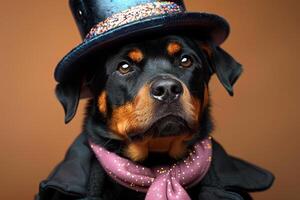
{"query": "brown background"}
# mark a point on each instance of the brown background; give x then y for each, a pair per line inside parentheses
(260, 124)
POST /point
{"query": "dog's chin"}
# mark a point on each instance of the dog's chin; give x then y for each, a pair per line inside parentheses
(167, 126)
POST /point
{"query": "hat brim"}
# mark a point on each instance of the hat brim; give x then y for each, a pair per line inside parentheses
(202, 25)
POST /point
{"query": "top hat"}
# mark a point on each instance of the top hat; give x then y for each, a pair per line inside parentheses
(104, 23)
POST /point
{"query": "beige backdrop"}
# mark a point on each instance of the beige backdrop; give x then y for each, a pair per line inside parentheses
(260, 124)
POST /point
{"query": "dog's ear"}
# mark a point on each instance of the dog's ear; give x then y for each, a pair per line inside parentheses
(69, 95)
(225, 66)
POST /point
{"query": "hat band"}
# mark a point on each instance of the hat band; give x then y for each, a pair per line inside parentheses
(133, 14)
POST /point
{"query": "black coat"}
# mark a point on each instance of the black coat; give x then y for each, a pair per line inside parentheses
(80, 176)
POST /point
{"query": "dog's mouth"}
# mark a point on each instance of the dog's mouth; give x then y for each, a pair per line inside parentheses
(169, 125)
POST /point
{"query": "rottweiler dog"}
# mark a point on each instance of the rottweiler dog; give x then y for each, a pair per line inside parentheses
(150, 101)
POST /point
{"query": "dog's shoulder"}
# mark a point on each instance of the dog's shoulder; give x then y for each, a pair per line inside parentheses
(232, 178)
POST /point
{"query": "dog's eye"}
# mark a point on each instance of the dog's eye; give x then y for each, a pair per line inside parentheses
(186, 61)
(124, 68)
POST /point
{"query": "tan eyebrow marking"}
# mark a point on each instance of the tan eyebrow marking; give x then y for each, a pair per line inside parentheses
(173, 48)
(136, 55)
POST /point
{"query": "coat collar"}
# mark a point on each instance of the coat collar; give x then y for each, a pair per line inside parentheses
(226, 173)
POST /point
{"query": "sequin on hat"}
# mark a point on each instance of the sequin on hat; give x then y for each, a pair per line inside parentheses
(133, 14)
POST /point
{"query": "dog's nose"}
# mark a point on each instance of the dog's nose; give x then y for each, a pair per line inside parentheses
(166, 90)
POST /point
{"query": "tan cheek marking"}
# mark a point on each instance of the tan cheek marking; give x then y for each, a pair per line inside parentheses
(173, 48)
(136, 55)
(134, 115)
(192, 105)
(102, 104)
(119, 120)
(137, 151)
(199, 106)
(178, 148)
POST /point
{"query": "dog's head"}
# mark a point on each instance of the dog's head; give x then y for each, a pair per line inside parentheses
(152, 94)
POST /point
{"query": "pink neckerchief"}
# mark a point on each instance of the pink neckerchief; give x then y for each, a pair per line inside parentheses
(165, 183)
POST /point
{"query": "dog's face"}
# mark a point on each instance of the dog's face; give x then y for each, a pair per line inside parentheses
(154, 93)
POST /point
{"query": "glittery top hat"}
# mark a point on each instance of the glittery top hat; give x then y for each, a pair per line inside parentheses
(104, 23)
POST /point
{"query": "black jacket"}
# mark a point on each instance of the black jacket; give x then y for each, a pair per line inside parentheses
(79, 176)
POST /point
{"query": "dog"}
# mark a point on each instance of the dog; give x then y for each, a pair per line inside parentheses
(150, 103)
(145, 67)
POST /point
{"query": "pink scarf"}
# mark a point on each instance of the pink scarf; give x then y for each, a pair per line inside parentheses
(166, 182)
